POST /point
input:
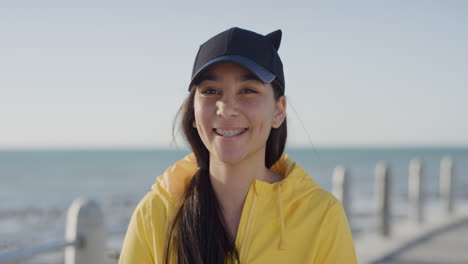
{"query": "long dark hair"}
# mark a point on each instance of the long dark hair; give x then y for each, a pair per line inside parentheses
(199, 233)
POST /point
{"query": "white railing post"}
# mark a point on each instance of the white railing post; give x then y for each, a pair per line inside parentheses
(85, 224)
(382, 192)
(447, 184)
(416, 193)
(341, 189)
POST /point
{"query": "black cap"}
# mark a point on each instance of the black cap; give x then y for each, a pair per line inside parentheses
(254, 51)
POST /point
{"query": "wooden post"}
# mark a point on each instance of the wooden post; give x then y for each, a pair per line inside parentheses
(382, 192)
(85, 224)
(447, 184)
(416, 194)
(341, 189)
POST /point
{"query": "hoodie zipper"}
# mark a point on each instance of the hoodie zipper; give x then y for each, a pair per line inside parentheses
(249, 221)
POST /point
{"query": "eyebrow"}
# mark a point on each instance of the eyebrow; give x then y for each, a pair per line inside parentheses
(249, 77)
(243, 78)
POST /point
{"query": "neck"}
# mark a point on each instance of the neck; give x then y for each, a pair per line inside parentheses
(231, 182)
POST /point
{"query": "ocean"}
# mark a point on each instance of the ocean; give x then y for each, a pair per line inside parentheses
(37, 186)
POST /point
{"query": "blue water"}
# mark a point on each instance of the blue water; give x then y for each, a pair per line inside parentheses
(36, 187)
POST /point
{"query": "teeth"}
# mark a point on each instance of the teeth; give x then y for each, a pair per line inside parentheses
(230, 133)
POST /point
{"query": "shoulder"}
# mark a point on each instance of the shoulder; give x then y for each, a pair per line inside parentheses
(318, 202)
(146, 232)
(156, 205)
(175, 179)
(301, 188)
(320, 197)
(326, 212)
(165, 194)
(335, 242)
(306, 194)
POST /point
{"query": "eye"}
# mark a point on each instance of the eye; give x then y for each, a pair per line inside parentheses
(248, 91)
(209, 91)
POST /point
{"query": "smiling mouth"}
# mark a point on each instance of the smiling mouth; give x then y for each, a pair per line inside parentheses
(229, 132)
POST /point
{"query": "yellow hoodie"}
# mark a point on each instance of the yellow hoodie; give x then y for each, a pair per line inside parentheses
(291, 221)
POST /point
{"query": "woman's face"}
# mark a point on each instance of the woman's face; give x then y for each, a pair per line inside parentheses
(234, 113)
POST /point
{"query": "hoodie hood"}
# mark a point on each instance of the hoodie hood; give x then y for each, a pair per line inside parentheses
(175, 178)
(289, 221)
(296, 183)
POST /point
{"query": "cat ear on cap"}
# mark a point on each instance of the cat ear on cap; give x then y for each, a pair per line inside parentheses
(275, 38)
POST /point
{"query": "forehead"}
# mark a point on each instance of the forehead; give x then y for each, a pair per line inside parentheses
(226, 70)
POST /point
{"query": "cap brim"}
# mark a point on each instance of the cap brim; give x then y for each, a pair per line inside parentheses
(263, 74)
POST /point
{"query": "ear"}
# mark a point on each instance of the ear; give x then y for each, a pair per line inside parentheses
(275, 38)
(280, 112)
(194, 124)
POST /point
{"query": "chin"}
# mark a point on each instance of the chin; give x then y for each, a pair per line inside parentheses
(233, 156)
(229, 157)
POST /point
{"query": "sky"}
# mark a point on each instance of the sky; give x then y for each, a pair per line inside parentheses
(112, 74)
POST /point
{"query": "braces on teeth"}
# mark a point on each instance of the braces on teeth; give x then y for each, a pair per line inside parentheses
(230, 133)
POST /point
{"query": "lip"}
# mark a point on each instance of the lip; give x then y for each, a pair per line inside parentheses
(230, 139)
(230, 128)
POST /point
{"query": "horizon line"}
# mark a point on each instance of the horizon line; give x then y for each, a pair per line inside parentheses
(181, 148)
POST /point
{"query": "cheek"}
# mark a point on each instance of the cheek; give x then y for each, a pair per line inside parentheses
(198, 110)
(265, 125)
(203, 115)
(261, 114)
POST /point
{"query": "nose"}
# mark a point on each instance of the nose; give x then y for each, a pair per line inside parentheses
(226, 107)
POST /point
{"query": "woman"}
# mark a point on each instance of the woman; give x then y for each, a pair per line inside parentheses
(237, 198)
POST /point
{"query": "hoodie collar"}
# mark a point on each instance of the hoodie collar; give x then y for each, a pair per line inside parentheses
(176, 177)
